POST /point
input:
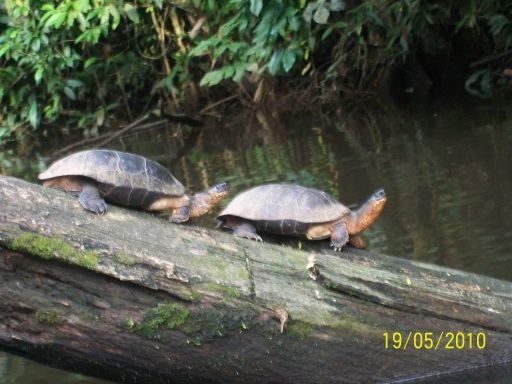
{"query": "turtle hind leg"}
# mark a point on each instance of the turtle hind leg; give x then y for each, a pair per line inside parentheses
(339, 236)
(90, 198)
(246, 230)
(180, 215)
(357, 241)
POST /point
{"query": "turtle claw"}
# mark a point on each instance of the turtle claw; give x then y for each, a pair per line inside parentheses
(251, 236)
(98, 206)
(336, 247)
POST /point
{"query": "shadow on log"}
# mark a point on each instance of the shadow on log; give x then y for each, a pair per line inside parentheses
(130, 297)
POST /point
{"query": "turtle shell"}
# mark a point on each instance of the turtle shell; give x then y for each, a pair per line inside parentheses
(285, 202)
(121, 175)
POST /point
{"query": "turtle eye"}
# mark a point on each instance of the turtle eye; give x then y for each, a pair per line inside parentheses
(379, 194)
(222, 187)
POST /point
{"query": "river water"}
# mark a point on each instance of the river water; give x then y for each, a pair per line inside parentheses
(446, 169)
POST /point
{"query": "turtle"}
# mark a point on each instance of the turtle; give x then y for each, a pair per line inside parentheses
(127, 179)
(294, 210)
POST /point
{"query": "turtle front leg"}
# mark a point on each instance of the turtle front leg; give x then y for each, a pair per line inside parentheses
(357, 241)
(90, 198)
(180, 215)
(246, 230)
(339, 236)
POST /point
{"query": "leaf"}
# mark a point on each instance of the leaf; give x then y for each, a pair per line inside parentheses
(341, 24)
(74, 83)
(288, 60)
(212, 78)
(84, 5)
(116, 17)
(308, 12)
(256, 6)
(275, 62)
(36, 45)
(6, 46)
(326, 33)
(33, 116)
(39, 75)
(239, 72)
(4, 132)
(131, 13)
(90, 61)
(479, 84)
(321, 15)
(55, 20)
(497, 23)
(47, 7)
(70, 93)
(100, 116)
(336, 5)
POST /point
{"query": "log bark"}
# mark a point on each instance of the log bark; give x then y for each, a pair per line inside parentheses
(130, 297)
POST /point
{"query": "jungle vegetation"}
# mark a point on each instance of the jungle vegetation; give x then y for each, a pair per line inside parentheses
(80, 64)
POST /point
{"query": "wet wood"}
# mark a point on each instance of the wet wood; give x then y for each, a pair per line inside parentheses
(130, 297)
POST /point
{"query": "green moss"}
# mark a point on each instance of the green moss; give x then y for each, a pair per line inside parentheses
(299, 329)
(209, 323)
(128, 323)
(168, 314)
(206, 322)
(195, 342)
(195, 296)
(229, 291)
(357, 326)
(125, 259)
(48, 316)
(51, 248)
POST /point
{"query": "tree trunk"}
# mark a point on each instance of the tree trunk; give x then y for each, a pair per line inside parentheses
(130, 297)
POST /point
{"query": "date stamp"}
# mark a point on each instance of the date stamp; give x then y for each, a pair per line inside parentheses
(431, 340)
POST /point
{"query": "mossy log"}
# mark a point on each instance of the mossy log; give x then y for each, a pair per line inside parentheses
(130, 297)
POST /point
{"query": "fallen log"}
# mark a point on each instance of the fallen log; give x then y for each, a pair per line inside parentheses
(130, 297)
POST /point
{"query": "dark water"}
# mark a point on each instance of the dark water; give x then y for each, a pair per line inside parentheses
(17, 370)
(447, 171)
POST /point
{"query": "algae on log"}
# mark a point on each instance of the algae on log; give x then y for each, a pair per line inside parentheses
(130, 297)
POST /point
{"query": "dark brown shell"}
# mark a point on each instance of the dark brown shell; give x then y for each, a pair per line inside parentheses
(278, 202)
(119, 170)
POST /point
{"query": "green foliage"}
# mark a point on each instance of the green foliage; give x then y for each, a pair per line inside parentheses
(54, 61)
(84, 62)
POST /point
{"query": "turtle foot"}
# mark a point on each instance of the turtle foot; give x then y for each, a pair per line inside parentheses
(178, 219)
(180, 215)
(248, 231)
(339, 236)
(98, 206)
(91, 199)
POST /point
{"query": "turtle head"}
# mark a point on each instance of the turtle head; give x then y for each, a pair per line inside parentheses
(202, 203)
(368, 212)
